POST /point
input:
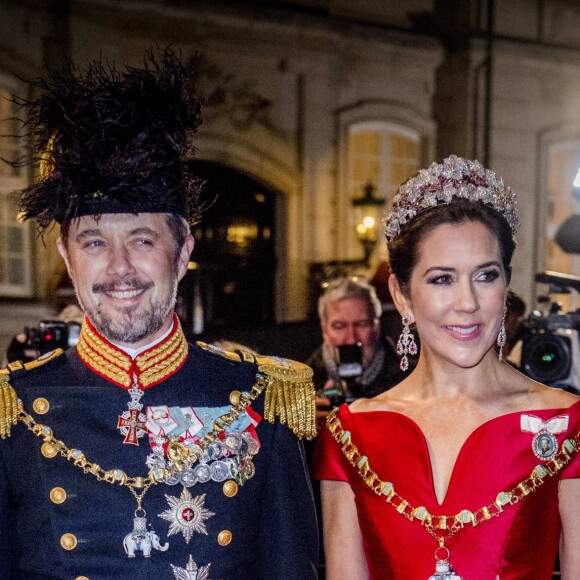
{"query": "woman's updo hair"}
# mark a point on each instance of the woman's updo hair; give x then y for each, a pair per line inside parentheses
(404, 250)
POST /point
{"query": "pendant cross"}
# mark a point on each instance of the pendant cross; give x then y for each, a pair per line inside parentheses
(132, 422)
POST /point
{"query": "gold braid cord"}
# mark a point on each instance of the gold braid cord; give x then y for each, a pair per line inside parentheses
(290, 395)
(10, 407)
(449, 524)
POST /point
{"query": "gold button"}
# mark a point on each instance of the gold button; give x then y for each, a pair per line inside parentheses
(68, 541)
(57, 495)
(82, 578)
(230, 488)
(41, 406)
(48, 450)
(224, 537)
(235, 397)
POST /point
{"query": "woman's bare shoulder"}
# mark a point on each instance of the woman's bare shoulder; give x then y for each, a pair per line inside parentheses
(391, 400)
(539, 396)
(550, 397)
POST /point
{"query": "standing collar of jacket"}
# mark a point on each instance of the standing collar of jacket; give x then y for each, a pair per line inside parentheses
(149, 367)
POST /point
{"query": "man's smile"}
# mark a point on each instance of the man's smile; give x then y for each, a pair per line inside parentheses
(124, 294)
(122, 290)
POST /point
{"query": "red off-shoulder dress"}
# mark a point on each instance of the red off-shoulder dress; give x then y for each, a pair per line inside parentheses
(521, 543)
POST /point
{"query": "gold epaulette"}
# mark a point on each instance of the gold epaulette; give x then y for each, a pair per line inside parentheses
(233, 356)
(17, 366)
(290, 394)
(10, 405)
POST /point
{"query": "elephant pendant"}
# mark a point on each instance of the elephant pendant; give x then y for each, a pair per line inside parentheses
(444, 571)
(141, 539)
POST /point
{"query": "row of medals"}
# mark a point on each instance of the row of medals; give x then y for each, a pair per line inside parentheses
(221, 460)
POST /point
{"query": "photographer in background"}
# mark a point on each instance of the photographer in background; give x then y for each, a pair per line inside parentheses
(350, 312)
(353, 360)
(50, 334)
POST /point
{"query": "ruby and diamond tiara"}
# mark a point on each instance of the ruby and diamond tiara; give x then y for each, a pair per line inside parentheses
(442, 183)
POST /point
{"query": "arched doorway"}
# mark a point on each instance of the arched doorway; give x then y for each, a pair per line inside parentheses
(231, 283)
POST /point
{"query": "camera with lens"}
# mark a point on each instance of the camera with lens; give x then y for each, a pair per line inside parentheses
(551, 348)
(349, 370)
(47, 336)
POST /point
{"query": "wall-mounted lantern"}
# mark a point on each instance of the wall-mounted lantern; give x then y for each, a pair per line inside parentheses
(368, 210)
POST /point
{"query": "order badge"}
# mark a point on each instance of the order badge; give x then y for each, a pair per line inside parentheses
(544, 445)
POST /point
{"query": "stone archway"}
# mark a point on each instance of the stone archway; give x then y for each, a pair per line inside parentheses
(231, 283)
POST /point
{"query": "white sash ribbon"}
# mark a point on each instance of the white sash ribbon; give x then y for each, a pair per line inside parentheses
(533, 424)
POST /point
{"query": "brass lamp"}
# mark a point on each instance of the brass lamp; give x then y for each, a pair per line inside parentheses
(367, 210)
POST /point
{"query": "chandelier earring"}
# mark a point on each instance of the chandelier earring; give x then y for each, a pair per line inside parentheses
(502, 336)
(406, 344)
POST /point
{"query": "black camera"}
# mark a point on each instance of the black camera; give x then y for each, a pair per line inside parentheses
(550, 348)
(547, 358)
(52, 334)
(349, 370)
(36, 341)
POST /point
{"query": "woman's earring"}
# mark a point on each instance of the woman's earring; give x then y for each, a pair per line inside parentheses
(502, 336)
(406, 343)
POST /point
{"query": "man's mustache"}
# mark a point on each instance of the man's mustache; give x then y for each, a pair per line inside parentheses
(121, 285)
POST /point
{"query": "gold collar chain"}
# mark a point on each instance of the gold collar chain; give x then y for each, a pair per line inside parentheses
(437, 525)
(181, 456)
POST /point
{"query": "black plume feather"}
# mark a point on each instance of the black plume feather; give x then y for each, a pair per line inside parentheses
(110, 141)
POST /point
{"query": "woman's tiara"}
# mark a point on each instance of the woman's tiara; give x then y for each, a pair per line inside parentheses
(455, 179)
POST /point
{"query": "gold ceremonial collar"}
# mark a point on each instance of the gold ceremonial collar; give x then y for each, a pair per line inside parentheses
(150, 367)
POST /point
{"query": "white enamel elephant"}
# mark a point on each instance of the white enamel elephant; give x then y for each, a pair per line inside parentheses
(143, 542)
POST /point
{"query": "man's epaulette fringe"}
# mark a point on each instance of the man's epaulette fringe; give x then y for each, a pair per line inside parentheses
(10, 405)
(290, 393)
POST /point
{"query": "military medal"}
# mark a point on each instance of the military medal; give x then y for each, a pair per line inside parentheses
(191, 571)
(141, 539)
(186, 515)
(173, 432)
(444, 571)
(159, 421)
(131, 423)
(544, 443)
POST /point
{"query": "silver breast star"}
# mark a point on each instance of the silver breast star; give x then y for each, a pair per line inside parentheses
(186, 514)
(191, 571)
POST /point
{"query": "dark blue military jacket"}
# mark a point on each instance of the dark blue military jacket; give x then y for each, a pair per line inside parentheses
(266, 530)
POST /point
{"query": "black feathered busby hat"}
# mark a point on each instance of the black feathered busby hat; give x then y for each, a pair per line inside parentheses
(112, 141)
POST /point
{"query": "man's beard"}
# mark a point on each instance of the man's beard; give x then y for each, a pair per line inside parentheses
(133, 324)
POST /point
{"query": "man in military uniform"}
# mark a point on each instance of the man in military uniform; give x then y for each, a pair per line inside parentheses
(137, 455)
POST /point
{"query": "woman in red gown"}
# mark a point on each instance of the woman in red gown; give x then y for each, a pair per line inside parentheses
(466, 469)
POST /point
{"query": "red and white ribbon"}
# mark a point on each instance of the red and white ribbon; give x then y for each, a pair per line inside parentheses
(533, 424)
